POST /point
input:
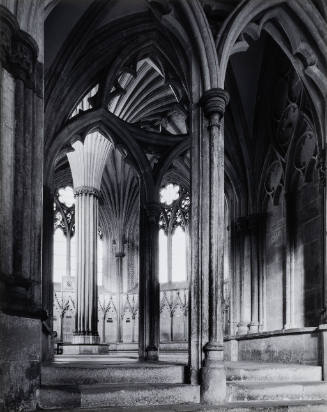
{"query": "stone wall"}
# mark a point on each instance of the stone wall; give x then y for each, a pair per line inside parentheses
(21, 168)
(292, 346)
(308, 256)
(20, 352)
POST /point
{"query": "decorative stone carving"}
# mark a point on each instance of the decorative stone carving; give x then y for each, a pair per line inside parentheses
(18, 50)
(306, 149)
(86, 190)
(287, 125)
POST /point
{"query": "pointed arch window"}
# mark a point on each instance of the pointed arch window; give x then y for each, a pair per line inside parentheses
(86, 103)
(173, 234)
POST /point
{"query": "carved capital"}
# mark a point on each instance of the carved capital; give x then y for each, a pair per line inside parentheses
(214, 102)
(86, 190)
(18, 50)
(23, 57)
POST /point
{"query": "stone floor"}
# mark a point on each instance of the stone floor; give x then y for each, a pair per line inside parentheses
(295, 406)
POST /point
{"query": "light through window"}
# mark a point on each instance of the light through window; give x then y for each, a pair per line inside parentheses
(163, 269)
(178, 255)
(169, 194)
(66, 196)
(59, 255)
(175, 204)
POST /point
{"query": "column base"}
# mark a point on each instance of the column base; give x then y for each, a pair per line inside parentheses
(213, 374)
(253, 327)
(213, 383)
(83, 349)
(152, 353)
(86, 339)
(242, 328)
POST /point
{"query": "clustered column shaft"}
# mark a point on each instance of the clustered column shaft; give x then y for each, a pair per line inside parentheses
(86, 318)
(149, 282)
(214, 102)
(87, 162)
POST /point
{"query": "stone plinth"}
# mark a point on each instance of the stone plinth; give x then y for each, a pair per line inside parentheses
(323, 349)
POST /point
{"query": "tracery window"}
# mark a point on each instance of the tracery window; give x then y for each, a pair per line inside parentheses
(86, 103)
(173, 228)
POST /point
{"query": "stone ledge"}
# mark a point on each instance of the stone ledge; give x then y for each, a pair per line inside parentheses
(83, 348)
(281, 332)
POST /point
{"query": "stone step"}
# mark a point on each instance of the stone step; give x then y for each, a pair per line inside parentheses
(83, 373)
(116, 395)
(272, 372)
(276, 391)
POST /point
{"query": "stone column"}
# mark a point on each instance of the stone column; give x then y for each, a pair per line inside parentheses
(245, 274)
(149, 304)
(323, 321)
(213, 387)
(87, 162)
(119, 272)
(253, 226)
(289, 270)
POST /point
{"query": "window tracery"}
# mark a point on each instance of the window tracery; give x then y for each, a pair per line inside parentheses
(64, 208)
(86, 103)
(173, 222)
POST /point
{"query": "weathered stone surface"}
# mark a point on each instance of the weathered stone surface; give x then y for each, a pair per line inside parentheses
(19, 364)
(84, 349)
(249, 391)
(265, 372)
(213, 384)
(90, 373)
(96, 396)
(285, 347)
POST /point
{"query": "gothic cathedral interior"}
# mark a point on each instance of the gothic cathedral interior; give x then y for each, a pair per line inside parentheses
(163, 205)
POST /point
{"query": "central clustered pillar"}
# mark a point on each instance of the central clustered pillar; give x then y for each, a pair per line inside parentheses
(86, 223)
(87, 163)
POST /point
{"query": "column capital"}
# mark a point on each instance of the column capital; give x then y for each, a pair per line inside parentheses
(18, 50)
(86, 190)
(214, 102)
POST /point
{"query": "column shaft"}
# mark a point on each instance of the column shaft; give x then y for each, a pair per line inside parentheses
(149, 305)
(119, 272)
(213, 372)
(86, 224)
(254, 325)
